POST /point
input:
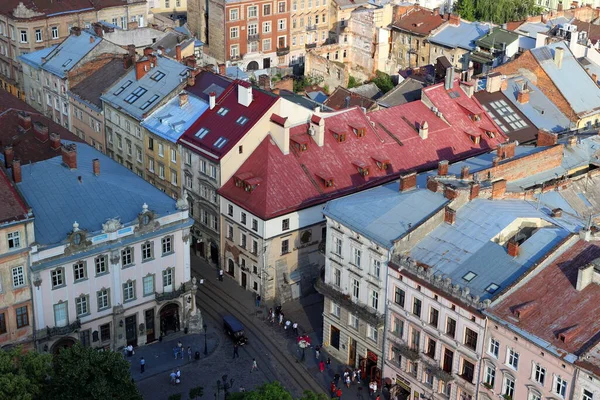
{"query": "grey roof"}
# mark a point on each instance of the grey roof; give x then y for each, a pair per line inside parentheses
(542, 112)
(469, 245)
(384, 214)
(369, 90)
(35, 59)
(462, 36)
(58, 198)
(90, 89)
(406, 91)
(317, 96)
(173, 74)
(531, 29)
(68, 53)
(577, 87)
(303, 101)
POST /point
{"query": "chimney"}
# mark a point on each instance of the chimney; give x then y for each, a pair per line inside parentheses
(131, 50)
(504, 85)
(148, 51)
(190, 62)
(474, 191)
(183, 99)
(40, 131)
(96, 166)
(450, 192)
(546, 138)
(558, 56)
(9, 156)
(449, 79)
(24, 120)
(495, 161)
(408, 182)
(178, 52)
(586, 275)
(523, 96)
(212, 97)
(443, 168)
(454, 20)
(245, 94)
(557, 212)
(127, 61)
(276, 91)
(468, 88)
(54, 141)
(498, 189)
(92, 39)
(470, 73)
(191, 80)
(572, 141)
(318, 125)
(69, 155)
(424, 130)
(16, 170)
(98, 29)
(506, 150)
(464, 172)
(513, 248)
(436, 11)
(264, 82)
(432, 184)
(449, 215)
(222, 69)
(141, 68)
(76, 31)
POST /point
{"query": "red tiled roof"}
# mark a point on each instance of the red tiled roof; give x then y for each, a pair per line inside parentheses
(13, 207)
(295, 181)
(552, 289)
(419, 20)
(279, 120)
(47, 7)
(9, 101)
(227, 127)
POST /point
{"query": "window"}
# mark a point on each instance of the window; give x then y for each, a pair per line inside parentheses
(372, 333)
(81, 306)
(376, 268)
(489, 377)
(167, 245)
(285, 246)
(104, 332)
(337, 277)
(55, 32)
(285, 224)
(22, 317)
(234, 51)
(267, 27)
(14, 240)
(230, 210)
(353, 321)
(188, 158)
(243, 240)
(448, 360)
(399, 297)
(161, 150)
(61, 317)
(129, 291)
(539, 374)
(127, 256)
(356, 256)
(512, 359)
(560, 386)
(450, 327)
(168, 277)
(374, 299)
(587, 395)
(266, 45)
(234, 32)
(58, 278)
(18, 276)
(23, 36)
(494, 347)
(415, 339)
(103, 296)
(397, 326)
(266, 9)
(252, 11)
(147, 251)
(254, 247)
(470, 339)
(148, 282)
(417, 307)
(173, 177)
(281, 25)
(150, 164)
(508, 386)
(433, 317)
(2, 323)
(281, 7)
(533, 395)
(79, 271)
(234, 14)
(254, 225)
(229, 232)
(337, 246)
(355, 289)
(430, 347)
(334, 337)
(335, 309)
(38, 35)
(468, 370)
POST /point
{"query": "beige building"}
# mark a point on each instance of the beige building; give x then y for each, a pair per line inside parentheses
(167, 6)
(24, 30)
(309, 27)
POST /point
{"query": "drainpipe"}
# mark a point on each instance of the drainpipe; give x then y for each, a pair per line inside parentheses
(385, 313)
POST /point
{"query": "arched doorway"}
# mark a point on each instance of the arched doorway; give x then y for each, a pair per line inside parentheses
(214, 253)
(63, 343)
(169, 319)
(252, 66)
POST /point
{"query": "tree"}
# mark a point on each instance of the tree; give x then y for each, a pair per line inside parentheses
(23, 374)
(352, 82)
(308, 395)
(84, 373)
(383, 81)
(274, 391)
(466, 9)
(196, 392)
(306, 80)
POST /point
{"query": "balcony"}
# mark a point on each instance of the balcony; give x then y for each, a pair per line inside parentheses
(309, 46)
(253, 38)
(311, 27)
(166, 296)
(282, 51)
(407, 352)
(45, 334)
(365, 313)
(236, 57)
(438, 372)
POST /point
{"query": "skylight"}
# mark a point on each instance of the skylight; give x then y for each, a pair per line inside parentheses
(492, 288)
(136, 94)
(220, 142)
(201, 133)
(150, 101)
(158, 75)
(67, 62)
(242, 120)
(120, 90)
(469, 276)
(223, 111)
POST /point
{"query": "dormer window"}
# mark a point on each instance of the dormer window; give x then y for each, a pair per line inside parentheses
(359, 131)
(475, 117)
(475, 138)
(251, 184)
(490, 134)
(381, 162)
(338, 135)
(300, 142)
(327, 179)
(361, 167)
(246, 181)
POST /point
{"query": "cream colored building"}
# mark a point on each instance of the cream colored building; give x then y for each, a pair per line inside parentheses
(309, 26)
(167, 6)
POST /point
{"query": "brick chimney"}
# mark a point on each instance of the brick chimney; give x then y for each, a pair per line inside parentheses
(572, 141)
(432, 184)
(464, 172)
(16, 171)
(98, 29)
(454, 19)
(506, 150)
(474, 191)
(443, 168)
(449, 215)
(498, 189)
(9, 156)
(264, 82)
(183, 99)
(450, 193)
(513, 248)
(222, 69)
(69, 155)
(191, 80)
(523, 96)
(24, 119)
(96, 166)
(40, 131)
(76, 31)
(141, 68)
(546, 138)
(55, 141)
(408, 182)
(178, 52)
(148, 51)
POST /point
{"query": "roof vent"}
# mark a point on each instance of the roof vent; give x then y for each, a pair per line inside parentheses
(523, 310)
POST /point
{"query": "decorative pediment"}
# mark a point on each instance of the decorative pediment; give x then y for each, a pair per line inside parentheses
(146, 220)
(112, 225)
(77, 239)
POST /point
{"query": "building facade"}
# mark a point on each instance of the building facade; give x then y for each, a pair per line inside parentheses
(309, 27)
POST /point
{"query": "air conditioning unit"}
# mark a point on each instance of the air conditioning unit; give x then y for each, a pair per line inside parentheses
(312, 131)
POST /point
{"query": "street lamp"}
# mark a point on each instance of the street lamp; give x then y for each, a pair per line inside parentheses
(205, 348)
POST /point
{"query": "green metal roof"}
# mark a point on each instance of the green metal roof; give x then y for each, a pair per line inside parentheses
(496, 37)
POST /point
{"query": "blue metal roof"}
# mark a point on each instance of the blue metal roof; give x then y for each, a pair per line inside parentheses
(69, 52)
(531, 29)
(469, 246)
(172, 120)
(571, 79)
(154, 86)
(462, 36)
(235, 72)
(59, 198)
(384, 214)
(35, 59)
(540, 110)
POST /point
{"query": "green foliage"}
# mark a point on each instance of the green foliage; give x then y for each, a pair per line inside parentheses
(274, 391)
(496, 11)
(326, 89)
(466, 9)
(352, 82)
(84, 373)
(23, 375)
(176, 396)
(383, 81)
(196, 392)
(308, 395)
(306, 80)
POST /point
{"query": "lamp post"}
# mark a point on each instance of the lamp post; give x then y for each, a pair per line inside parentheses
(205, 348)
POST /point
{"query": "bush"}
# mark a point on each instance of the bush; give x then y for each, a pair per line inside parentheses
(383, 82)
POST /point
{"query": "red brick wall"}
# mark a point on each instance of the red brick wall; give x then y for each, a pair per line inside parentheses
(519, 168)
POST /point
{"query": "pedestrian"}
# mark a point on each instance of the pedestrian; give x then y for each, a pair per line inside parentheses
(348, 380)
(235, 350)
(254, 365)
(328, 363)
(353, 376)
(180, 348)
(272, 316)
(339, 393)
(189, 353)
(288, 325)
(374, 386)
(175, 351)
(129, 350)
(321, 366)
(295, 327)
(317, 352)
(258, 300)
(358, 375)
(221, 274)
(332, 389)
(280, 318)
(336, 379)
(178, 376)
(142, 364)
(173, 377)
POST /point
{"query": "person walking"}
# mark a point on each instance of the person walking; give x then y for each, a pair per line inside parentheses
(339, 393)
(280, 318)
(254, 366)
(317, 352)
(295, 327)
(358, 372)
(221, 275)
(321, 366)
(235, 350)
(348, 380)
(142, 365)
(288, 327)
(336, 379)
(175, 351)
(258, 300)
(173, 377)
(189, 353)
(328, 363)
(180, 348)
(332, 389)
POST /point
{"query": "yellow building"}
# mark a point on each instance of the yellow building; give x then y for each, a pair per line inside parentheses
(168, 6)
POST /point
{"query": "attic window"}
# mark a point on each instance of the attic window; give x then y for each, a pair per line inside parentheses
(120, 90)
(150, 101)
(469, 276)
(382, 163)
(242, 120)
(136, 94)
(223, 111)
(490, 134)
(300, 142)
(327, 180)
(474, 138)
(251, 184)
(361, 167)
(201, 133)
(475, 117)
(359, 131)
(157, 76)
(339, 136)
(492, 288)
(220, 142)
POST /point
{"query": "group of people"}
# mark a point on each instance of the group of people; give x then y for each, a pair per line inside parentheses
(179, 351)
(279, 316)
(350, 376)
(175, 376)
